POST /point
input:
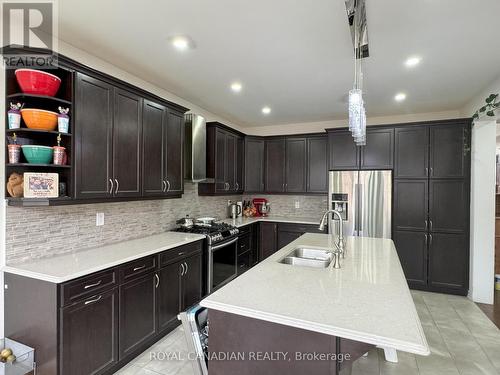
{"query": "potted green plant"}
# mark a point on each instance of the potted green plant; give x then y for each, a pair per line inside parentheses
(490, 108)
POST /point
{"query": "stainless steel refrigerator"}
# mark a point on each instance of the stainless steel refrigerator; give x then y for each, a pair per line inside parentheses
(364, 199)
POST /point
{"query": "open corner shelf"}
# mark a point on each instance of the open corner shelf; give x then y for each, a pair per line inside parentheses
(35, 202)
(29, 165)
(36, 131)
(23, 96)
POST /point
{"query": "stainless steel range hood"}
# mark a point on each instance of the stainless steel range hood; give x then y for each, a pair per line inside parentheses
(195, 148)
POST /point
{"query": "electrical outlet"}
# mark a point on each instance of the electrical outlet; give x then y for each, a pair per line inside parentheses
(99, 219)
(297, 204)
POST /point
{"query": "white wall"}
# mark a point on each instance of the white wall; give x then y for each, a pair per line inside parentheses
(478, 100)
(318, 127)
(482, 240)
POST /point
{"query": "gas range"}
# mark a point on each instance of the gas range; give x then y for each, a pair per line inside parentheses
(215, 233)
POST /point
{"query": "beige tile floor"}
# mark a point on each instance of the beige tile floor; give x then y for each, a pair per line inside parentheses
(462, 339)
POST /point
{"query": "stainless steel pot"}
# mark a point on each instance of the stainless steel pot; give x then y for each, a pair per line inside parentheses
(206, 220)
(185, 222)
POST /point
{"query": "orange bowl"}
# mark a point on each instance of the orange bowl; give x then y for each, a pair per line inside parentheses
(39, 119)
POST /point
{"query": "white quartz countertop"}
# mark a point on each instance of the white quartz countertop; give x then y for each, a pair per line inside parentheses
(242, 221)
(367, 300)
(62, 268)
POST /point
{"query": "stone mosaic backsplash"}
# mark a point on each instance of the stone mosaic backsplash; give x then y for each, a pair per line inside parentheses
(38, 232)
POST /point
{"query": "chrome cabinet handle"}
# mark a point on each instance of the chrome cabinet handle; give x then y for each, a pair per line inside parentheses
(430, 224)
(182, 269)
(92, 285)
(117, 186)
(181, 253)
(168, 186)
(157, 280)
(426, 224)
(92, 300)
(111, 189)
(164, 186)
(432, 171)
(426, 239)
(187, 268)
(237, 186)
(426, 172)
(139, 268)
(430, 239)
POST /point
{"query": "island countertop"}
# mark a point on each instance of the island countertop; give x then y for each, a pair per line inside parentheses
(69, 266)
(367, 300)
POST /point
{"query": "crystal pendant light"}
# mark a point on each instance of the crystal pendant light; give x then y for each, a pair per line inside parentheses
(357, 113)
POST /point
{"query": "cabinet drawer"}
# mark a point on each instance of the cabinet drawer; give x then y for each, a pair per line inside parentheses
(180, 252)
(245, 262)
(244, 243)
(79, 289)
(245, 229)
(137, 268)
(300, 228)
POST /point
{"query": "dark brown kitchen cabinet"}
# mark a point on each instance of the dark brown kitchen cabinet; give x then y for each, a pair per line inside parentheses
(93, 137)
(240, 164)
(448, 265)
(154, 124)
(449, 150)
(191, 282)
(448, 205)
(288, 232)
(254, 164)
(410, 205)
(378, 153)
(169, 295)
(317, 164)
(295, 165)
(174, 153)
(344, 154)
(224, 161)
(275, 165)
(412, 251)
(268, 239)
(411, 151)
(137, 313)
(127, 128)
(90, 334)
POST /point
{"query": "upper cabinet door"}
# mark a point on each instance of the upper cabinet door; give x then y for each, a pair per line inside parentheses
(275, 165)
(254, 165)
(344, 154)
(448, 205)
(93, 135)
(411, 205)
(230, 162)
(295, 173)
(154, 119)
(240, 162)
(219, 162)
(175, 153)
(378, 153)
(127, 130)
(317, 164)
(412, 152)
(448, 150)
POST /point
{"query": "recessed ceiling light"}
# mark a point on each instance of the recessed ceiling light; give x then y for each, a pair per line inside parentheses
(181, 42)
(236, 86)
(266, 110)
(413, 61)
(400, 97)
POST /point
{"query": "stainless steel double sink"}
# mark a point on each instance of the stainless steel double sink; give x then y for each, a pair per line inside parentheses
(304, 256)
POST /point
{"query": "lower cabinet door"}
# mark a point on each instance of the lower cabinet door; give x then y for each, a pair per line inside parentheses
(169, 295)
(90, 335)
(268, 239)
(244, 262)
(137, 313)
(448, 262)
(285, 237)
(412, 252)
(191, 282)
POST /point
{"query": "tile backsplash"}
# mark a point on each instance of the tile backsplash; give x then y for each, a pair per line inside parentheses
(46, 231)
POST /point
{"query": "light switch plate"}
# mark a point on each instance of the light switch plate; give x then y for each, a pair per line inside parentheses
(297, 204)
(99, 219)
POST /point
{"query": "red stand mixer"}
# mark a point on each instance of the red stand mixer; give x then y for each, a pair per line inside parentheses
(262, 205)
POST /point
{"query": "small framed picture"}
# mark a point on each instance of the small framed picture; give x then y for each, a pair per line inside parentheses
(41, 185)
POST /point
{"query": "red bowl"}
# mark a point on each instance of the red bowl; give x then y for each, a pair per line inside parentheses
(37, 82)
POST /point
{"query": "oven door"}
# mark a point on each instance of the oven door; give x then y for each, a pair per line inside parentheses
(222, 266)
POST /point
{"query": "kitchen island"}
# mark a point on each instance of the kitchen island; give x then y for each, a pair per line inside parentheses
(280, 308)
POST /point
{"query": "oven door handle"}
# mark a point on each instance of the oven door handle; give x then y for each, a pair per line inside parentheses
(212, 248)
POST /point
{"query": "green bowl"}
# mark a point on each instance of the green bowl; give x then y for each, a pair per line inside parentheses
(38, 154)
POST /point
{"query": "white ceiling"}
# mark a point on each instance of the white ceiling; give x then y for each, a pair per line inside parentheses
(294, 55)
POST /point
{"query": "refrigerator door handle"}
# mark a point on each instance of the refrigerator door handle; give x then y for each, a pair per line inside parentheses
(360, 208)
